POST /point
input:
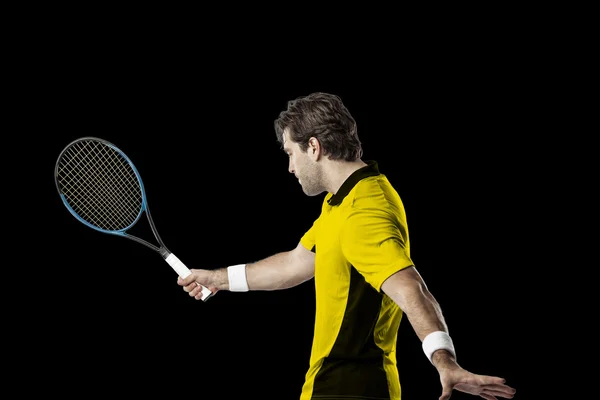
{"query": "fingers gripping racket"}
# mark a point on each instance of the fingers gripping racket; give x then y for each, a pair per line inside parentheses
(101, 187)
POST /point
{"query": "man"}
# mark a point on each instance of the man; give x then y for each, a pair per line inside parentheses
(358, 252)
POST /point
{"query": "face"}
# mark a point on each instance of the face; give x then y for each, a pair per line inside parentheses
(304, 166)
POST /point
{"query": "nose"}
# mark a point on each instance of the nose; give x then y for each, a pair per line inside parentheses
(291, 167)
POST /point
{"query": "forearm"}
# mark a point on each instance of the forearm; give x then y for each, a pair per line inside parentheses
(425, 316)
(272, 273)
(409, 291)
(422, 310)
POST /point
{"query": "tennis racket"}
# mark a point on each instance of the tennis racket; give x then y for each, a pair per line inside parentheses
(103, 190)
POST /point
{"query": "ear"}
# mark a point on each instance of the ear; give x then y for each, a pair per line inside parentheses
(314, 148)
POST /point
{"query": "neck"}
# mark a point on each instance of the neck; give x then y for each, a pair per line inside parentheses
(338, 171)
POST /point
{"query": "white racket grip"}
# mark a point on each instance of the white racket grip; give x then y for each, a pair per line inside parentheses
(184, 272)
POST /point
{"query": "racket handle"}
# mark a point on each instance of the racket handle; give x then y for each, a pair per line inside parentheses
(184, 272)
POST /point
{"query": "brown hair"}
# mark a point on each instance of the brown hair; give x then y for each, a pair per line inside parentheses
(323, 116)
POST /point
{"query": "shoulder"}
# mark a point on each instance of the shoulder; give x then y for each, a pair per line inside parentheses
(372, 191)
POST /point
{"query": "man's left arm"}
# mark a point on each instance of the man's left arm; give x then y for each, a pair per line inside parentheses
(407, 288)
(375, 245)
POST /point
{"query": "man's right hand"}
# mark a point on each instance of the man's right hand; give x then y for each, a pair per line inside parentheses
(191, 283)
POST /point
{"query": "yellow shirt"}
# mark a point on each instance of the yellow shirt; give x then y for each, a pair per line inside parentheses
(360, 239)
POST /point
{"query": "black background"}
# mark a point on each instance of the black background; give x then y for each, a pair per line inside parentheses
(446, 130)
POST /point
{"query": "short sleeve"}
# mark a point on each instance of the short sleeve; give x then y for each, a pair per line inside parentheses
(372, 241)
(308, 239)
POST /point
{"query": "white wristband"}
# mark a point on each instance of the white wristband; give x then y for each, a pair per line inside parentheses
(437, 341)
(237, 278)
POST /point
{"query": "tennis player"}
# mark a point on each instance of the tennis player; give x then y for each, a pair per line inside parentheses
(358, 252)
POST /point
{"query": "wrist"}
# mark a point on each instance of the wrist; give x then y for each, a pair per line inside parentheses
(440, 345)
(443, 359)
(236, 278)
(218, 279)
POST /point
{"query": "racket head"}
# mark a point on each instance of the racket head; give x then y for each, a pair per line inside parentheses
(99, 185)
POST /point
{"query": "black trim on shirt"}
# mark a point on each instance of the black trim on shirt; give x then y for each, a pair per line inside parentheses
(371, 169)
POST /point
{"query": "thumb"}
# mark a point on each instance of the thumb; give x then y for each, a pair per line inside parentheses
(185, 281)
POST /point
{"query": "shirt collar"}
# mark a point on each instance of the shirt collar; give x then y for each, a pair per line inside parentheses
(371, 169)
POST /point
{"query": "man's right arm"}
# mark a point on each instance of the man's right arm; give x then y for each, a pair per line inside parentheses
(279, 271)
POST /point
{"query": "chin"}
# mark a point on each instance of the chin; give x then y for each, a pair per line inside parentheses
(313, 193)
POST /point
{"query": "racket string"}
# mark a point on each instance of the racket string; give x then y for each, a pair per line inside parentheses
(100, 185)
(107, 183)
(88, 195)
(108, 173)
(92, 192)
(97, 191)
